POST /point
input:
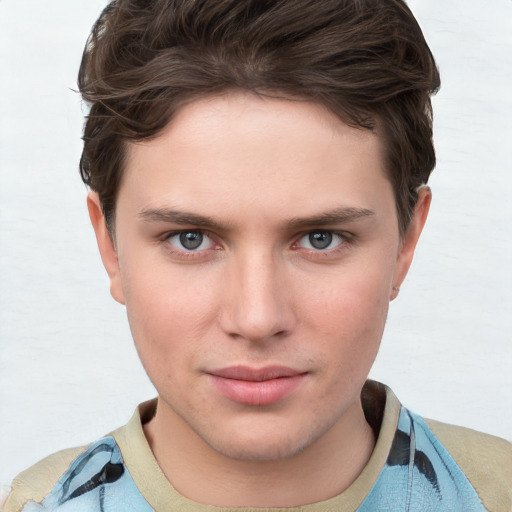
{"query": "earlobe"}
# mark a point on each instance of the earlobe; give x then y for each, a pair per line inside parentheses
(106, 246)
(410, 239)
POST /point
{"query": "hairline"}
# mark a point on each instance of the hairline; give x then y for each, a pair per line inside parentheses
(277, 94)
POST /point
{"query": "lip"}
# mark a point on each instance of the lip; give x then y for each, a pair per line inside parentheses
(256, 386)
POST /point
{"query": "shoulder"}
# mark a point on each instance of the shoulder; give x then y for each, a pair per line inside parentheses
(73, 480)
(485, 460)
(82, 474)
(36, 482)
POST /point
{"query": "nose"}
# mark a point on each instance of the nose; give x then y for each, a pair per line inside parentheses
(257, 305)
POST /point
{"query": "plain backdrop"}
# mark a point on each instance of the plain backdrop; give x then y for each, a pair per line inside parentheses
(68, 369)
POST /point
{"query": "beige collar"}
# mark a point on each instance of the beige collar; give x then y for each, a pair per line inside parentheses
(162, 496)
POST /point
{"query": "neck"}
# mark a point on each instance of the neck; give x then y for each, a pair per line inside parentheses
(323, 470)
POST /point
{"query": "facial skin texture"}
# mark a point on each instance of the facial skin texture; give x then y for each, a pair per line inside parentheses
(263, 175)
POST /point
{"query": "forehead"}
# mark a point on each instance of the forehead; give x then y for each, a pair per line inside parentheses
(240, 151)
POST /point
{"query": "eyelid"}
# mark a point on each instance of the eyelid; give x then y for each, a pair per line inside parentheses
(183, 252)
(345, 238)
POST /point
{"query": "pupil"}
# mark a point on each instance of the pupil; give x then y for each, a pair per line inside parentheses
(191, 240)
(320, 240)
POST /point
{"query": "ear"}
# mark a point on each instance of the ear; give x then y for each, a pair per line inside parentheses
(106, 246)
(410, 239)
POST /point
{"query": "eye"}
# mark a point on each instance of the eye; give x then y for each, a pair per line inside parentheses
(190, 241)
(320, 240)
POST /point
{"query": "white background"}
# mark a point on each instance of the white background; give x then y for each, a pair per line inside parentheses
(68, 370)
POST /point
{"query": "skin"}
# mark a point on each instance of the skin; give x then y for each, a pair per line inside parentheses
(266, 174)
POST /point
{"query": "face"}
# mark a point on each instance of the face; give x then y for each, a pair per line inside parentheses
(256, 251)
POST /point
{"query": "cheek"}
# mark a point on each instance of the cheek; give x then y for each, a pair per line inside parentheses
(169, 314)
(355, 298)
(347, 318)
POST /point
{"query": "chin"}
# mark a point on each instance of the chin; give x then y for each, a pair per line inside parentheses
(263, 451)
(262, 446)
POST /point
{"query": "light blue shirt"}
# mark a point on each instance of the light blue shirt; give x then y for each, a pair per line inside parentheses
(419, 476)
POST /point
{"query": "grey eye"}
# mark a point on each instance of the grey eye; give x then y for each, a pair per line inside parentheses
(191, 240)
(320, 239)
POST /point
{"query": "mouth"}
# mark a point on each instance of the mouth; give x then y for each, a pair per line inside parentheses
(256, 386)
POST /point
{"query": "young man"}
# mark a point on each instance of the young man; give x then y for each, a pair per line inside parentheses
(258, 177)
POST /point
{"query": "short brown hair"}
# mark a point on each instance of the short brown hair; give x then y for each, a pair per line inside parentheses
(366, 60)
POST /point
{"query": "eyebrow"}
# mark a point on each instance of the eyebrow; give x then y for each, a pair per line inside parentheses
(171, 216)
(331, 217)
(337, 216)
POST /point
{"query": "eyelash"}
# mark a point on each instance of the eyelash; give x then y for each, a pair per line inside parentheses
(345, 239)
(184, 253)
